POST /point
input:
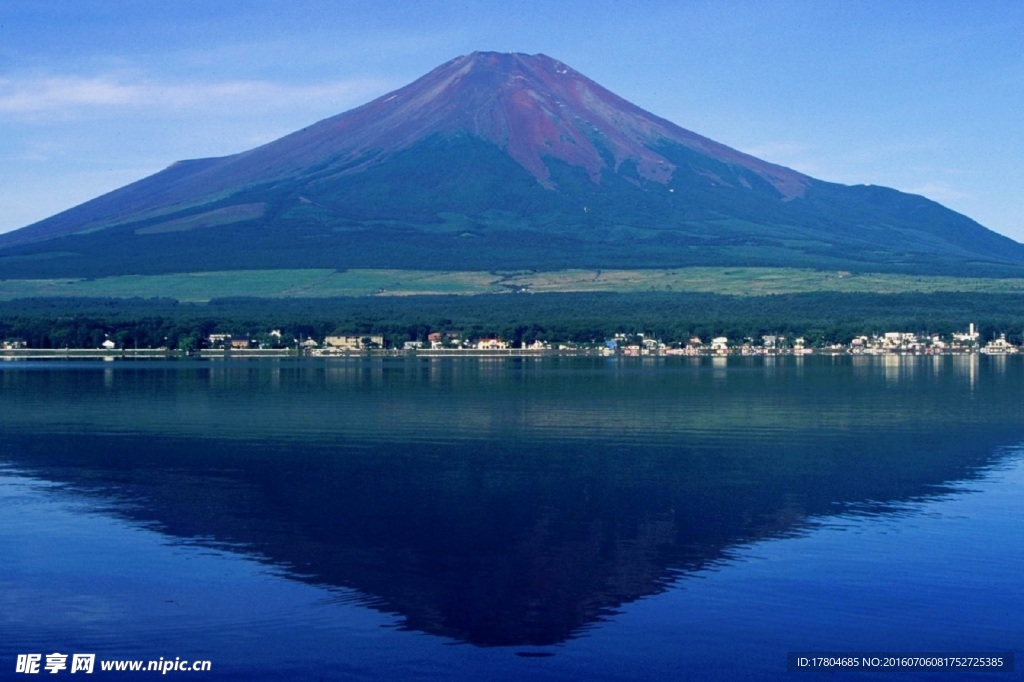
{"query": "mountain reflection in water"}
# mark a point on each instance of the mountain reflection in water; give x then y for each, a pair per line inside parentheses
(503, 502)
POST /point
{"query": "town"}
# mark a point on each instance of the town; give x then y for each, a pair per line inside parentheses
(275, 344)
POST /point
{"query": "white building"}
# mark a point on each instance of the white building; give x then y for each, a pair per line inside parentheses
(353, 342)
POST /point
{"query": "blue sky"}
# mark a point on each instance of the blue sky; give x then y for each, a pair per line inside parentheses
(924, 96)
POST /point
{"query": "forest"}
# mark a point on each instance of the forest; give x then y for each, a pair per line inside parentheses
(821, 318)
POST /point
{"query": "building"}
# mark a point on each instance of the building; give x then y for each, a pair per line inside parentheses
(354, 342)
(219, 340)
(999, 346)
(970, 337)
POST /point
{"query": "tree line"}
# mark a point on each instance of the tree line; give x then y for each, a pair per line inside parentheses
(821, 318)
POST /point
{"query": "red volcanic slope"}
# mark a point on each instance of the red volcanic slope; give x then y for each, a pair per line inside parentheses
(531, 107)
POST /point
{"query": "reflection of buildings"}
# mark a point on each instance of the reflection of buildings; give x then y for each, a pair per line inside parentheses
(967, 367)
(494, 502)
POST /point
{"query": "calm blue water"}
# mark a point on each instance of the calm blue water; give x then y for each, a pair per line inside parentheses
(549, 518)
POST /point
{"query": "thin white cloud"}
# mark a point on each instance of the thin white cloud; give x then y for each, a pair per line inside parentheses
(71, 95)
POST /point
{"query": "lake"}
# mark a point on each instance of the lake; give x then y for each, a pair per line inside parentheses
(511, 518)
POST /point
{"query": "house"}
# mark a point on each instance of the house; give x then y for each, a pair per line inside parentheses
(354, 342)
(800, 346)
(491, 344)
(970, 337)
(651, 346)
(219, 340)
(439, 339)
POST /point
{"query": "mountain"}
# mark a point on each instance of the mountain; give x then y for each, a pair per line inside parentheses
(498, 161)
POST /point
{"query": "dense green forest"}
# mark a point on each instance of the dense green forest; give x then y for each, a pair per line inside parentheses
(822, 318)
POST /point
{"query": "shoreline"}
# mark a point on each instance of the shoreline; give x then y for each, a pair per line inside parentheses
(285, 353)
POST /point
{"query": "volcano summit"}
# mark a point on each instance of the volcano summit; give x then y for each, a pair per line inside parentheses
(498, 161)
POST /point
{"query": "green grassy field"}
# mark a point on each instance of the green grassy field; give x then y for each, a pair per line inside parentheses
(316, 283)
